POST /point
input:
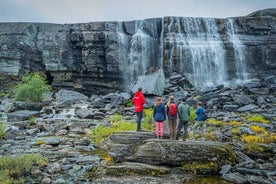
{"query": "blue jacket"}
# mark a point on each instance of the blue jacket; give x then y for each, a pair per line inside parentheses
(159, 113)
(199, 111)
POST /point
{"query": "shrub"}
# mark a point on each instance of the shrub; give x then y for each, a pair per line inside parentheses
(258, 129)
(215, 122)
(129, 103)
(32, 120)
(14, 169)
(115, 119)
(2, 130)
(210, 136)
(253, 141)
(235, 132)
(258, 119)
(31, 88)
(192, 114)
(147, 120)
(234, 123)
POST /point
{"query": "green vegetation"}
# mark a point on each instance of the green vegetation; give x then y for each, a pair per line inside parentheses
(257, 119)
(14, 169)
(2, 130)
(39, 142)
(32, 120)
(31, 88)
(192, 114)
(129, 103)
(235, 132)
(147, 120)
(201, 168)
(210, 136)
(234, 123)
(117, 124)
(216, 123)
(261, 137)
(115, 119)
(100, 134)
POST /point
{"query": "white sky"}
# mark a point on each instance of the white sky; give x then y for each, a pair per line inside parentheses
(81, 11)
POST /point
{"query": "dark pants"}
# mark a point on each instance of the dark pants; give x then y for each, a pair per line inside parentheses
(182, 124)
(139, 119)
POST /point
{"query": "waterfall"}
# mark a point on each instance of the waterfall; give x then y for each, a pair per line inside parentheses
(197, 48)
(141, 50)
(123, 45)
(238, 47)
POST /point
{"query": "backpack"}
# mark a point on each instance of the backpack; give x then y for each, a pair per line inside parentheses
(204, 116)
(172, 109)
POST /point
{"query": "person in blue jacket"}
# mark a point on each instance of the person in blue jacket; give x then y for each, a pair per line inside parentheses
(159, 116)
(199, 122)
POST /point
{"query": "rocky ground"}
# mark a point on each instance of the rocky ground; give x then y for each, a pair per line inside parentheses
(64, 120)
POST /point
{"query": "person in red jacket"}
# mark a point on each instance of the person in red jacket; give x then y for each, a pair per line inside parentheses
(138, 101)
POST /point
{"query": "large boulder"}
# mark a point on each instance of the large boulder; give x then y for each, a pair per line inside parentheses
(152, 84)
(139, 147)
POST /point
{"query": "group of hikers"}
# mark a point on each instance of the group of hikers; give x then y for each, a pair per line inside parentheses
(171, 111)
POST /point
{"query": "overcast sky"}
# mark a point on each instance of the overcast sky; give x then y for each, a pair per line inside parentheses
(81, 11)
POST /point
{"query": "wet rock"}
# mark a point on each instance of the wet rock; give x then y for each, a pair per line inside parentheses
(64, 95)
(247, 108)
(84, 113)
(235, 177)
(225, 169)
(21, 115)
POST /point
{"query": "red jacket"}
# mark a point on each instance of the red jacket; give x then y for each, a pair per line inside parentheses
(138, 101)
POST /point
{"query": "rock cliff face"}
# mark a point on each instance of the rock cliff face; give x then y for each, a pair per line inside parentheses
(102, 57)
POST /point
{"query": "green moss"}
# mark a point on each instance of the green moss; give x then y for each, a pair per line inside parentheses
(100, 153)
(39, 142)
(120, 171)
(201, 168)
(155, 172)
(207, 180)
(92, 173)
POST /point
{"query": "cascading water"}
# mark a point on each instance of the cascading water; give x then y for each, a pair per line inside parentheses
(197, 48)
(141, 50)
(241, 73)
(123, 45)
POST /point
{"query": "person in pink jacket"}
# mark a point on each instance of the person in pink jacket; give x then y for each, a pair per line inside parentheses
(138, 101)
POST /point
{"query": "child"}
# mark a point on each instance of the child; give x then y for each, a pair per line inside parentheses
(199, 122)
(159, 116)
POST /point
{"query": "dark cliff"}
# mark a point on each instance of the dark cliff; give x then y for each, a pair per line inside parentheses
(102, 57)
